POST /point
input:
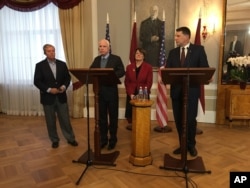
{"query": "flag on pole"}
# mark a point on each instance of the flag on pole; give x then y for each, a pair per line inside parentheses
(78, 84)
(161, 100)
(107, 36)
(197, 41)
(133, 44)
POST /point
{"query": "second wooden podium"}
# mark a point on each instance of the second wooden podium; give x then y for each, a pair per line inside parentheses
(141, 128)
(186, 77)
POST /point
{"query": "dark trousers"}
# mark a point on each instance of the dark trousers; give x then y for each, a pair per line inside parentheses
(191, 119)
(61, 111)
(108, 114)
(128, 111)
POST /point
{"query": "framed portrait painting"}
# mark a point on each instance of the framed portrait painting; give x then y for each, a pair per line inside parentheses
(150, 16)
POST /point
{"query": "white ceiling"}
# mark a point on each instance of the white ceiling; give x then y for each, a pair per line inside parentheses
(238, 3)
(238, 16)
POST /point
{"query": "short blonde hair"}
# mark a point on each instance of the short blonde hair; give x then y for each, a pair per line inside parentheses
(46, 46)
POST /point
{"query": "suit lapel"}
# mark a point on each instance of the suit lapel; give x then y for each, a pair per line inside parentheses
(109, 61)
(178, 55)
(188, 60)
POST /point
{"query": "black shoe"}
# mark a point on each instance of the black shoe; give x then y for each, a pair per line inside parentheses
(73, 143)
(103, 145)
(177, 151)
(111, 146)
(129, 127)
(55, 145)
(193, 152)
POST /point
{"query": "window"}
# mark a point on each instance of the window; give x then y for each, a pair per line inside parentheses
(22, 36)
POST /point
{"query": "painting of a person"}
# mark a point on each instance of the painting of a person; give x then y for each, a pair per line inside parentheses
(150, 36)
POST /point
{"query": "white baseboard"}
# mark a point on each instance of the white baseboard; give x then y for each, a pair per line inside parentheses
(208, 117)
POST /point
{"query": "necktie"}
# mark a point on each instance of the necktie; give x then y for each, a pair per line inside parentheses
(182, 56)
(103, 62)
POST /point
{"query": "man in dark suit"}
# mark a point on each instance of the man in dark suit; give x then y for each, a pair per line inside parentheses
(235, 48)
(52, 78)
(108, 95)
(150, 33)
(195, 56)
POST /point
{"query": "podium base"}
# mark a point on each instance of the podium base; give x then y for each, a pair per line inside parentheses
(129, 127)
(195, 165)
(103, 159)
(140, 161)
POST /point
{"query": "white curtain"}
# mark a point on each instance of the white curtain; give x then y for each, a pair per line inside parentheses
(22, 36)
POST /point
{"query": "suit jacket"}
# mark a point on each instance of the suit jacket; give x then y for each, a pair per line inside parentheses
(114, 62)
(195, 57)
(237, 47)
(149, 28)
(144, 78)
(44, 79)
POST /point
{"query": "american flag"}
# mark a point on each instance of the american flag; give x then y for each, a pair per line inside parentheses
(78, 84)
(161, 100)
(197, 41)
(107, 36)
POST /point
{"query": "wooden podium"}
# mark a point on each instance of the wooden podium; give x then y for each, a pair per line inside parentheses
(186, 77)
(97, 77)
(141, 128)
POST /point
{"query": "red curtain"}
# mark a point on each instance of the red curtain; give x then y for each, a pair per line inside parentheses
(27, 6)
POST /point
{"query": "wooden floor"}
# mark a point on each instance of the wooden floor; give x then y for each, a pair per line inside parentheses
(27, 159)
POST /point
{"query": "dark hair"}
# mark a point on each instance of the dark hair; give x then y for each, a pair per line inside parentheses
(184, 30)
(141, 50)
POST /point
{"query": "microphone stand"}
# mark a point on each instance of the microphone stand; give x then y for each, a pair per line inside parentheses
(89, 160)
(184, 139)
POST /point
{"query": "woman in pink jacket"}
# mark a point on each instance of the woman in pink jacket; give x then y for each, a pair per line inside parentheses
(138, 74)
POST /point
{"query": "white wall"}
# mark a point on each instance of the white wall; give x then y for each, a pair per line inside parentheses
(119, 23)
(189, 17)
(189, 11)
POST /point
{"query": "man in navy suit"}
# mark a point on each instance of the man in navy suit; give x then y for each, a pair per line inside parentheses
(195, 56)
(52, 78)
(108, 95)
